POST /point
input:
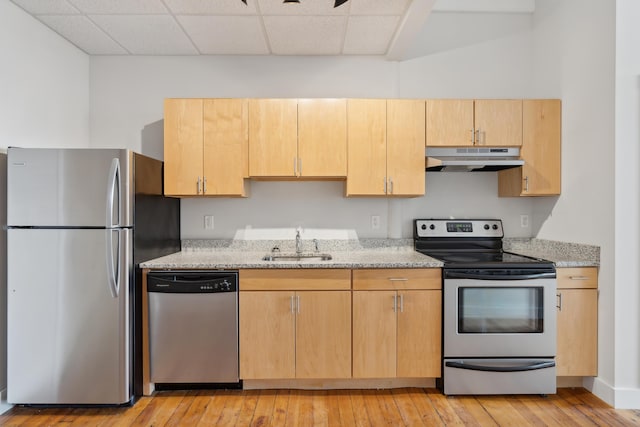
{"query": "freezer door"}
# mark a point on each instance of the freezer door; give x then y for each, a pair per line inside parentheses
(69, 187)
(68, 336)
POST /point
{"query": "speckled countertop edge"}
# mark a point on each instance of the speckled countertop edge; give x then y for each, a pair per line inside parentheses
(562, 254)
(353, 253)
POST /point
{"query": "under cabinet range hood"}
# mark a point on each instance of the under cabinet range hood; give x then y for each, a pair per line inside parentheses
(472, 159)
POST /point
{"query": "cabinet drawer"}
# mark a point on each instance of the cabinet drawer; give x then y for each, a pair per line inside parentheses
(577, 278)
(295, 279)
(391, 279)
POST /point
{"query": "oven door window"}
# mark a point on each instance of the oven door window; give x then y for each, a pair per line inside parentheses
(500, 310)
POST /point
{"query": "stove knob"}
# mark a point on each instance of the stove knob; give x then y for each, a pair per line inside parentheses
(495, 226)
(424, 226)
(486, 226)
(432, 227)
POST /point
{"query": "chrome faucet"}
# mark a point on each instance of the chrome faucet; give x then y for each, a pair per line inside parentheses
(298, 242)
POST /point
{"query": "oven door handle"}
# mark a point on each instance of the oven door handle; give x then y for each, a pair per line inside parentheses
(528, 367)
(527, 276)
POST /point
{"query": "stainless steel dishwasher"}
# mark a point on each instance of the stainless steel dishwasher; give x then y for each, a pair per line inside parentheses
(193, 327)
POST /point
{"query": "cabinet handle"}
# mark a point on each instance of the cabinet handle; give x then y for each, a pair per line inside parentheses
(295, 166)
(398, 279)
(299, 166)
(385, 185)
(390, 186)
(291, 305)
(526, 183)
(559, 306)
(198, 188)
(298, 304)
(204, 185)
(473, 136)
(395, 303)
(578, 277)
(401, 303)
(476, 137)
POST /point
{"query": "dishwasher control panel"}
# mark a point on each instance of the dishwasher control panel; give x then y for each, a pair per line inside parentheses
(192, 282)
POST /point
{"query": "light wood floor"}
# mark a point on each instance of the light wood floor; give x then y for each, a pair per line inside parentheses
(400, 407)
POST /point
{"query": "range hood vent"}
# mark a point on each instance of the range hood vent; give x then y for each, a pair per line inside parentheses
(475, 159)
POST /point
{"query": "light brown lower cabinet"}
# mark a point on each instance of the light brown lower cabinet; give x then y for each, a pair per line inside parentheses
(577, 316)
(295, 333)
(397, 330)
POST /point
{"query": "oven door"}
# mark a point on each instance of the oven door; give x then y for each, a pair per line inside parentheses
(499, 316)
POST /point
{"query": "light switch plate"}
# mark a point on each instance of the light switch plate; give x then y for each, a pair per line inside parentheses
(208, 222)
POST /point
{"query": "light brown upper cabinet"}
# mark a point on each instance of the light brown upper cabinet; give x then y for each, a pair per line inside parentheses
(480, 122)
(205, 147)
(305, 138)
(540, 174)
(273, 137)
(322, 138)
(385, 147)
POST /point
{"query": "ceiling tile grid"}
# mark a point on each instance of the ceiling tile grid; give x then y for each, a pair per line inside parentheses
(222, 27)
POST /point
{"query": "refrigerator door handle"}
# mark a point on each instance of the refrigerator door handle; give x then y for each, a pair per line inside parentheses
(113, 184)
(113, 262)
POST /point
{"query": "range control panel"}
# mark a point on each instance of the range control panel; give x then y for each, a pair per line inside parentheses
(458, 228)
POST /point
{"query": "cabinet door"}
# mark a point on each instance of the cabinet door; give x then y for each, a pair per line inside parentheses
(273, 137)
(405, 147)
(183, 131)
(577, 333)
(419, 334)
(225, 146)
(449, 122)
(367, 148)
(267, 335)
(374, 334)
(540, 174)
(498, 122)
(323, 334)
(322, 137)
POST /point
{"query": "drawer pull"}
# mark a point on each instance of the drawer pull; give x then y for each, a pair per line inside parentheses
(579, 277)
(398, 279)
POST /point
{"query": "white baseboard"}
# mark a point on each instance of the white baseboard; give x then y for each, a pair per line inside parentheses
(4, 406)
(618, 397)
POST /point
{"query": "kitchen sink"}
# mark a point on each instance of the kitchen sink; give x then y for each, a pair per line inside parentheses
(297, 257)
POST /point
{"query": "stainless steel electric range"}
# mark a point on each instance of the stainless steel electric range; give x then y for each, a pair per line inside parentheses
(499, 310)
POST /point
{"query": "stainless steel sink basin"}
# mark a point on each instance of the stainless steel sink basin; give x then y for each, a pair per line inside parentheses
(297, 257)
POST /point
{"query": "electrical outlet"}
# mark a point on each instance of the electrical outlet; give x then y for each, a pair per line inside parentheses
(208, 222)
(375, 222)
(524, 221)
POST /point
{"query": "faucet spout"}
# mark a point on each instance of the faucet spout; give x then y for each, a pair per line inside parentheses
(298, 242)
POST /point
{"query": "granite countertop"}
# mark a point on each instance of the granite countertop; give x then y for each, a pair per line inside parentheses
(231, 254)
(363, 253)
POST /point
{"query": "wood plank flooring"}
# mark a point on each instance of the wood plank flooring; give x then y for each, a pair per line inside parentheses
(398, 407)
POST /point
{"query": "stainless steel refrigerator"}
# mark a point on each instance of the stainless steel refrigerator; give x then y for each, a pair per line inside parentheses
(79, 221)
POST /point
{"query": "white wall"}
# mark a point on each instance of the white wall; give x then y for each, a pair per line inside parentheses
(573, 58)
(126, 105)
(45, 85)
(627, 206)
(44, 101)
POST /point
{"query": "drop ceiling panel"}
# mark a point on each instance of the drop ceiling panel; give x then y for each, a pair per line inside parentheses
(38, 7)
(222, 35)
(86, 35)
(209, 7)
(369, 35)
(120, 7)
(379, 7)
(305, 35)
(146, 34)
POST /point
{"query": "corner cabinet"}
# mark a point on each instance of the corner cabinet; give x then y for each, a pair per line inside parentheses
(386, 147)
(205, 147)
(577, 316)
(397, 323)
(295, 324)
(480, 122)
(541, 172)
